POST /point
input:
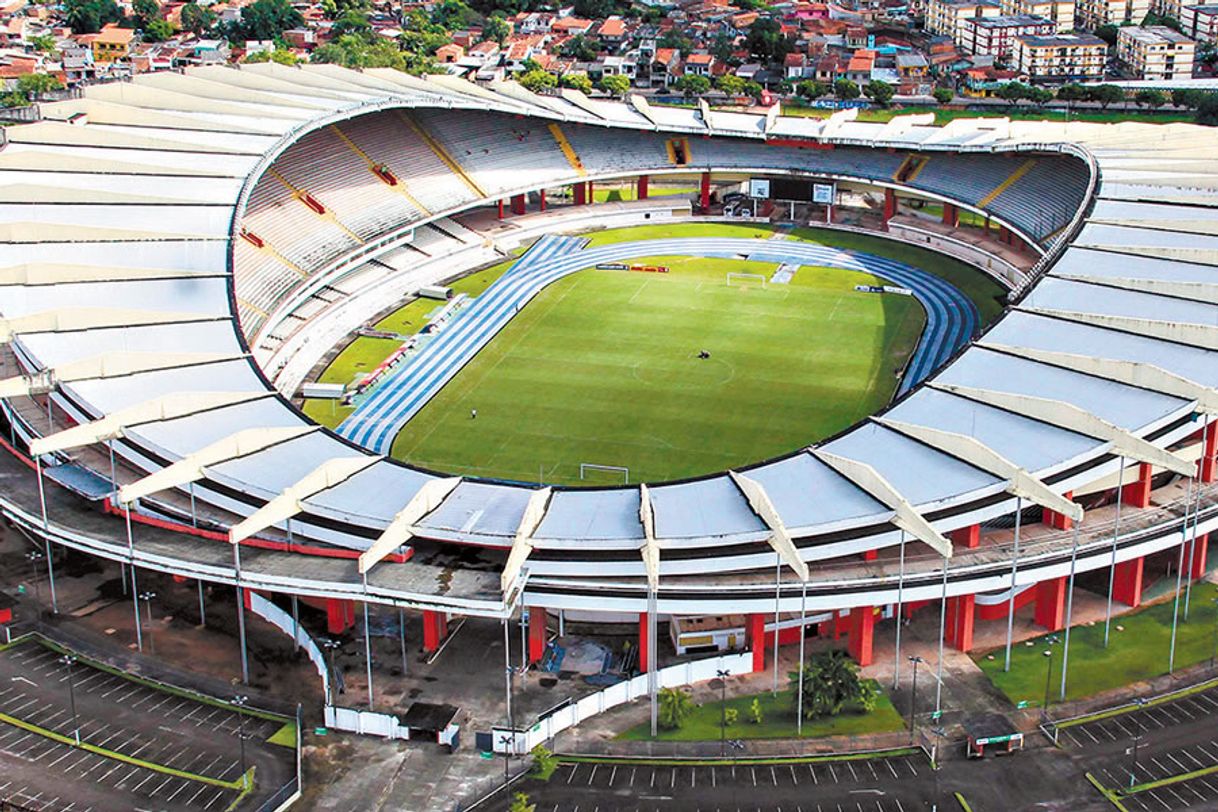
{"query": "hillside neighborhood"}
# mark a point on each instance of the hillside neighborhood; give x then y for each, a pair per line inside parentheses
(852, 53)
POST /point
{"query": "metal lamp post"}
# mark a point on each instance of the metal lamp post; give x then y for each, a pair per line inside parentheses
(70, 660)
(147, 597)
(329, 645)
(1214, 651)
(913, 697)
(509, 744)
(1048, 681)
(34, 556)
(239, 703)
(723, 674)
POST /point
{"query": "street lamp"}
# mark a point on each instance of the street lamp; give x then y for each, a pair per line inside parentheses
(1048, 679)
(329, 645)
(509, 744)
(1134, 750)
(1214, 651)
(239, 703)
(723, 674)
(34, 556)
(913, 698)
(147, 597)
(70, 660)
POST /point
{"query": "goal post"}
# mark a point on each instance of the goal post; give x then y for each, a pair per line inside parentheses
(586, 468)
(745, 278)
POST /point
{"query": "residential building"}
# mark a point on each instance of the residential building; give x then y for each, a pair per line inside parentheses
(913, 74)
(1156, 52)
(1091, 14)
(1200, 22)
(699, 65)
(1061, 58)
(944, 17)
(112, 43)
(995, 36)
(1060, 12)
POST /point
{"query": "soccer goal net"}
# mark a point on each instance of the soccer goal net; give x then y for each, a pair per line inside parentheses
(745, 279)
(600, 472)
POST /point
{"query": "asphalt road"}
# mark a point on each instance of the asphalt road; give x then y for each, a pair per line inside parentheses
(127, 718)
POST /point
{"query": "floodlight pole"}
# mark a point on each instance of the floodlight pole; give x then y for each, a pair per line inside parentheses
(1116, 533)
(942, 632)
(245, 663)
(1196, 509)
(896, 664)
(1069, 610)
(46, 531)
(203, 609)
(1175, 612)
(1014, 572)
(652, 650)
(367, 643)
(777, 621)
(803, 614)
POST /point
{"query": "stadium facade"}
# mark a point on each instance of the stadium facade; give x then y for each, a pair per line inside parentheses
(170, 239)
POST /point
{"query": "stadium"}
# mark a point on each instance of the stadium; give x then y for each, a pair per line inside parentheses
(186, 251)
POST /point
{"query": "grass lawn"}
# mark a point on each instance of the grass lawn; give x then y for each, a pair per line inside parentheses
(1137, 653)
(778, 721)
(363, 353)
(601, 368)
(748, 231)
(943, 116)
(614, 194)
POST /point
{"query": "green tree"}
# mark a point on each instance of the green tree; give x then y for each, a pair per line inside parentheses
(753, 89)
(731, 84)
(537, 80)
(196, 19)
(267, 19)
(145, 11)
(615, 86)
(354, 23)
(1106, 95)
(674, 38)
(845, 89)
(88, 16)
(1190, 98)
(1013, 92)
(730, 717)
(496, 28)
(879, 92)
(691, 84)
(544, 762)
(830, 683)
(580, 48)
(1040, 96)
(675, 706)
(520, 803)
(1149, 97)
(280, 56)
(943, 95)
(453, 15)
(722, 47)
(576, 81)
(1108, 33)
(158, 31)
(32, 84)
(1207, 109)
(1073, 92)
(811, 89)
(595, 9)
(766, 41)
(44, 43)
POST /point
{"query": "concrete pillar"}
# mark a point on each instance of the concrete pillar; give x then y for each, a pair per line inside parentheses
(1137, 493)
(581, 194)
(435, 629)
(756, 637)
(499, 203)
(967, 537)
(641, 187)
(642, 642)
(890, 206)
(541, 199)
(961, 615)
(951, 215)
(704, 192)
(1127, 582)
(340, 615)
(518, 204)
(1051, 604)
(1207, 467)
(537, 633)
(1200, 551)
(871, 555)
(862, 634)
(1058, 521)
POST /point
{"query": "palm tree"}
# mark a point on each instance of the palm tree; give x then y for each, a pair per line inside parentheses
(831, 681)
(675, 706)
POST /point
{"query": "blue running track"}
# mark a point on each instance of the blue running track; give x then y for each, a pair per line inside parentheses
(951, 317)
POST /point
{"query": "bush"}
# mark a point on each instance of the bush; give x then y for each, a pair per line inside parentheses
(831, 682)
(544, 763)
(755, 711)
(675, 707)
(730, 717)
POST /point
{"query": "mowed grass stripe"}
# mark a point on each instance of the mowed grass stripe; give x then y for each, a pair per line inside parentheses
(601, 367)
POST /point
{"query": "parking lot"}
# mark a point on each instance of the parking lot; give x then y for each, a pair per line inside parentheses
(167, 732)
(895, 784)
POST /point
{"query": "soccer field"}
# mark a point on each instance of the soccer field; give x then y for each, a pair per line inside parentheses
(602, 367)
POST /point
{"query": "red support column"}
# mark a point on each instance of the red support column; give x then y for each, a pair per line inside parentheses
(340, 615)
(756, 637)
(1200, 552)
(1137, 494)
(537, 633)
(642, 642)
(581, 194)
(1051, 604)
(862, 634)
(641, 187)
(967, 537)
(1057, 520)
(890, 206)
(245, 598)
(541, 199)
(435, 628)
(1207, 467)
(871, 555)
(961, 615)
(1127, 582)
(499, 203)
(705, 190)
(841, 624)
(517, 204)
(951, 215)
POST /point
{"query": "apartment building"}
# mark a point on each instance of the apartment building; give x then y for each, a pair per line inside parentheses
(1061, 58)
(1156, 52)
(995, 36)
(1060, 12)
(1200, 22)
(944, 17)
(1091, 14)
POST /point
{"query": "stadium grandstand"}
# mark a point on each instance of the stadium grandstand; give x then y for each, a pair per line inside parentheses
(270, 201)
